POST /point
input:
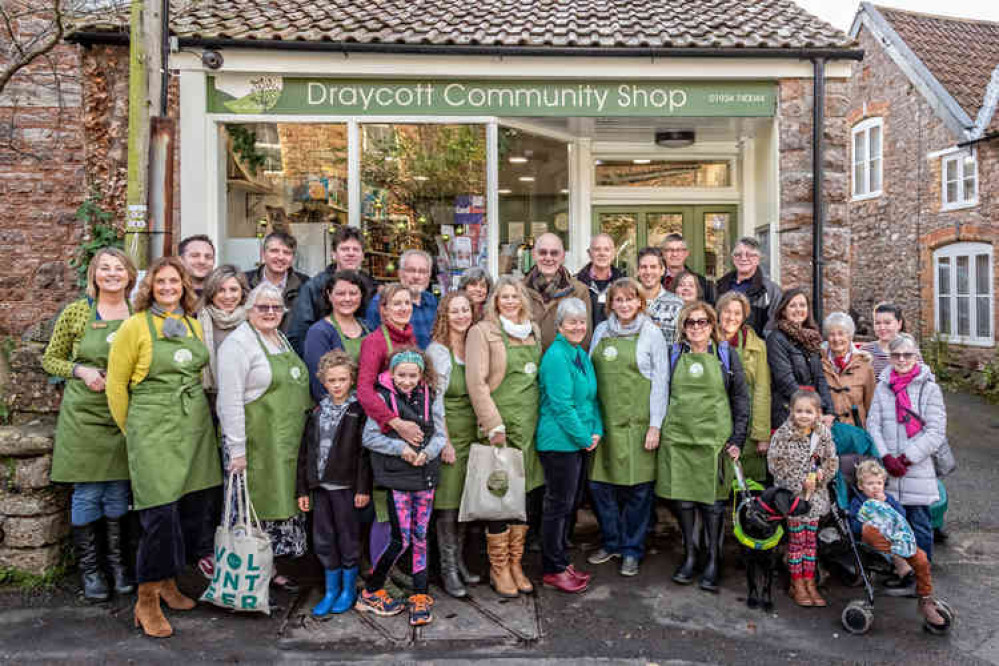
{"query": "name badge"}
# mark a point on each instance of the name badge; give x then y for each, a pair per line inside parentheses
(602, 298)
(100, 324)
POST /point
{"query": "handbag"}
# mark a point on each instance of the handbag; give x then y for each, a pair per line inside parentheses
(943, 458)
(244, 558)
(494, 485)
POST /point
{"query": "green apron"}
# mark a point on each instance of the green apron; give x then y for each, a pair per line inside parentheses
(517, 399)
(698, 425)
(754, 464)
(462, 430)
(623, 393)
(89, 446)
(351, 345)
(274, 425)
(172, 448)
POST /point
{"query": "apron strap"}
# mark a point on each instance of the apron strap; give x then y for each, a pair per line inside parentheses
(388, 339)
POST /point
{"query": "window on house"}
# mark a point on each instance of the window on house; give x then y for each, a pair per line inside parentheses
(960, 180)
(963, 289)
(868, 138)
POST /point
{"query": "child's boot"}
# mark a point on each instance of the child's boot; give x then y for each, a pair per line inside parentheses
(799, 593)
(813, 593)
(928, 609)
(333, 579)
(348, 592)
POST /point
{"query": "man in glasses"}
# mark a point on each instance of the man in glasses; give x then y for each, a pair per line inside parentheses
(748, 278)
(675, 254)
(548, 283)
(599, 274)
(414, 274)
(277, 258)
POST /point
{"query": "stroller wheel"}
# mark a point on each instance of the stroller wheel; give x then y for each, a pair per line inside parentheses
(857, 617)
(948, 615)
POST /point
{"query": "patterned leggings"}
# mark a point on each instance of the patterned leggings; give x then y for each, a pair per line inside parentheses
(801, 547)
(409, 515)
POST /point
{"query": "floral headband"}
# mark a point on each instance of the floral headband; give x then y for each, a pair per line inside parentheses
(407, 357)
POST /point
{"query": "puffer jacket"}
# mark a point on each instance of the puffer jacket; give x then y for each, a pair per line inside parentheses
(919, 485)
(851, 387)
(792, 367)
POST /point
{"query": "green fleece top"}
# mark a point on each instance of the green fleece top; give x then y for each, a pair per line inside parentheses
(570, 414)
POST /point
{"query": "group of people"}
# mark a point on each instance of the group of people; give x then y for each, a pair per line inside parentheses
(358, 405)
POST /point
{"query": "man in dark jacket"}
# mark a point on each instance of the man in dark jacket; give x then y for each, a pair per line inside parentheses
(599, 274)
(277, 257)
(747, 278)
(675, 254)
(312, 305)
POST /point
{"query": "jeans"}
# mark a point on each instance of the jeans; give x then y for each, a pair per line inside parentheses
(624, 513)
(561, 479)
(919, 519)
(93, 501)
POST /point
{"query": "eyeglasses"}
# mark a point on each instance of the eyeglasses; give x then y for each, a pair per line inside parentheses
(417, 271)
(549, 253)
(264, 309)
(675, 250)
(745, 255)
(696, 323)
(902, 356)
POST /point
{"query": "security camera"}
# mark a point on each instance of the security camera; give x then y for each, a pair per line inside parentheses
(212, 59)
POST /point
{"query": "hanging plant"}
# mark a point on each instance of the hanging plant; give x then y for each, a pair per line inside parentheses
(244, 144)
(99, 232)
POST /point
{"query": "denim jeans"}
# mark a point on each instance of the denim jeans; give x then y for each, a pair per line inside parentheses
(624, 513)
(919, 519)
(95, 500)
(561, 479)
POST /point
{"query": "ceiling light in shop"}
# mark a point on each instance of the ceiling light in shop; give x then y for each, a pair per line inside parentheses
(598, 162)
(526, 179)
(421, 178)
(516, 159)
(504, 191)
(564, 190)
(642, 161)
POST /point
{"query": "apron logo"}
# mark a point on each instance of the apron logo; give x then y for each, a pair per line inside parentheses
(610, 353)
(296, 372)
(182, 356)
(530, 369)
(110, 337)
(696, 370)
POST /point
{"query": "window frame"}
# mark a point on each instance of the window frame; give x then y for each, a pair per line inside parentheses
(864, 128)
(952, 252)
(958, 158)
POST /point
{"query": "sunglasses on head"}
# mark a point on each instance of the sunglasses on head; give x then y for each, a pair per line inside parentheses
(696, 323)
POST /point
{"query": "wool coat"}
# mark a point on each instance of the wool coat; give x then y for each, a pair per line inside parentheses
(853, 386)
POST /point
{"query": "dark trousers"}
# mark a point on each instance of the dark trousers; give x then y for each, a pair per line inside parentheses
(170, 533)
(922, 526)
(624, 513)
(335, 528)
(561, 481)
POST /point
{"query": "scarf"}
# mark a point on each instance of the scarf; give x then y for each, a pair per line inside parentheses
(738, 341)
(519, 331)
(903, 405)
(172, 327)
(807, 338)
(550, 288)
(212, 319)
(619, 330)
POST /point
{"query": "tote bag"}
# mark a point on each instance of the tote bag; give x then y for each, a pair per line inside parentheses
(494, 485)
(244, 559)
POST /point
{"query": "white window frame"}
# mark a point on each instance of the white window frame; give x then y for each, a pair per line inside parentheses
(864, 128)
(971, 251)
(959, 159)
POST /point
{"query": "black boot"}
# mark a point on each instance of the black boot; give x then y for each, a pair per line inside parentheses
(95, 588)
(685, 572)
(466, 575)
(713, 517)
(447, 544)
(116, 558)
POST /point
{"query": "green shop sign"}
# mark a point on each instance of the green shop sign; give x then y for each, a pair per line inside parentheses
(276, 95)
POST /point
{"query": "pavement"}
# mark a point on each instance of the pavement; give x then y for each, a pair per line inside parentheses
(642, 620)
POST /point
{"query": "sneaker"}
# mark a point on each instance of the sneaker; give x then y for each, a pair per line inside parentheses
(379, 603)
(601, 556)
(419, 610)
(629, 566)
(206, 565)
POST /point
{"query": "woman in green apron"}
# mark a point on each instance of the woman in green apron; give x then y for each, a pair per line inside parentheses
(89, 448)
(340, 329)
(631, 361)
(156, 397)
(503, 352)
(447, 355)
(263, 403)
(705, 426)
(733, 311)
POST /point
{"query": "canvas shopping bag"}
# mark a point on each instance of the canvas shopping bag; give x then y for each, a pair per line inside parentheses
(244, 560)
(494, 484)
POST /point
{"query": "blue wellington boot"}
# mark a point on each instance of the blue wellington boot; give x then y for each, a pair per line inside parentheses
(333, 578)
(348, 593)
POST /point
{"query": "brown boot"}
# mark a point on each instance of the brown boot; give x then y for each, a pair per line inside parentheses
(173, 596)
(498, 547)
(148, 613)
(518, 537)
(813, 592)
(928, 609)
(799, 593)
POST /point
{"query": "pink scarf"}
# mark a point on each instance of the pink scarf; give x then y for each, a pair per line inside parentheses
(903, 405)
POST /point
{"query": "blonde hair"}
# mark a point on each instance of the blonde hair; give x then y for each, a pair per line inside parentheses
(441, 331)
(624, 284)
(869, 468)
(335, 358)
(93, 291)
(144, 296)
(386, 295)
(681, 320)
(492, 304)
(739, 298)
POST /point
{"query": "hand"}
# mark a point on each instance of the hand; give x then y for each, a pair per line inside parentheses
(819, 476)
(303, 503)
(408, 430)
(808, 487)
(421, 459)
(828, 419)
(894, 466)
(594, 439)
(732, 451)
(763, 446)
(92, 377)
(498, 439)
(361, 501)
(652, 438)
(237, 464)
(448, 455)
(409, 455)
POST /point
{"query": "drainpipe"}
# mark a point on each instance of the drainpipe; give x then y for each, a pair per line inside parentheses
(818, 207)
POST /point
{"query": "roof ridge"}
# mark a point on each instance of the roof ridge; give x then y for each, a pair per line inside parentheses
(942, 17)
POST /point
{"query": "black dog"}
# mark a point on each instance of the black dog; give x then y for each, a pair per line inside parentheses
(759, 515)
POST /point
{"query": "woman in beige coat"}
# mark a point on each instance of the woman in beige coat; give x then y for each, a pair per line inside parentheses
(848, 371)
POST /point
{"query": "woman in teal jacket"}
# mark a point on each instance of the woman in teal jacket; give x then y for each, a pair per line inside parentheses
(568, 424)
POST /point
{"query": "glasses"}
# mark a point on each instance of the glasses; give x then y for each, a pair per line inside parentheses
(675, 250)
(744, 255)
(696, 323)
(549, 253)
(902, 356)
(417, 271)
(264, 309)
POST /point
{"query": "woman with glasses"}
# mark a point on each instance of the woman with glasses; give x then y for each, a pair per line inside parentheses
(705, 427)
(262, 405)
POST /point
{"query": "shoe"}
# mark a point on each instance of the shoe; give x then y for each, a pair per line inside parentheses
(148, 613)
(601, 556)
(583, 576)
(466, 575)
(334, 578)
(518, 537)
(173, 597)
(928, 609)
(447, 546)
(286, 585)
(379, 603)
(813, 591)
(206, 566)
(940, 535)
(115, 558)
(629, 566)
(684, 574)
(95, 587)
(799, 593)
(904, 586)
(713, 517)
(564, 582)
(348, 592)
(500, 577)
(420, 612)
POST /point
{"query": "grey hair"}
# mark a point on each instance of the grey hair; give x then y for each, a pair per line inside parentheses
(474, 275)
(840, 320)
(751, 243)
(264, 290)
(902, 340)
(570, 308)
(404, 259)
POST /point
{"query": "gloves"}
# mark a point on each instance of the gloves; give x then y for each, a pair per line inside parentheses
(895, 466)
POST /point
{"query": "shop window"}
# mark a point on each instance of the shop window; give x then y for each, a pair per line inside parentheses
(284, 176)
(424, 187)
(868, 138)
(663, 173)
(533, 194)
(963, 289)
(960, 180)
